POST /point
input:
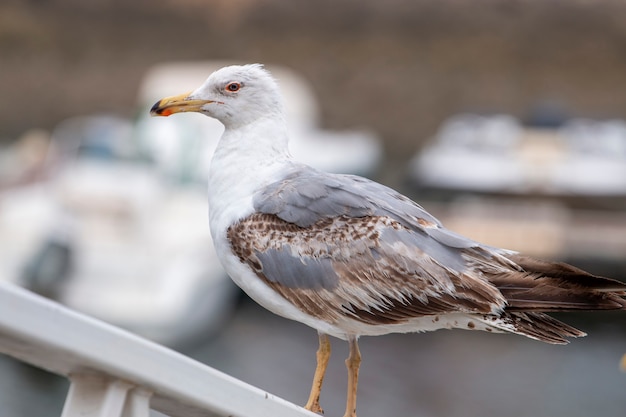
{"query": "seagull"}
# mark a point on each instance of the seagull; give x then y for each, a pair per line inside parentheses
(350, 257)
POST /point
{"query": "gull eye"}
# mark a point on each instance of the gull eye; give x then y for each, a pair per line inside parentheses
(233, 87)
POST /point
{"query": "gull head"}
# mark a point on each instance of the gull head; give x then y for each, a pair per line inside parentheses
(235, 95)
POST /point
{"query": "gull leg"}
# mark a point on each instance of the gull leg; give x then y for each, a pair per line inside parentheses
(352, 363)
(323, 354)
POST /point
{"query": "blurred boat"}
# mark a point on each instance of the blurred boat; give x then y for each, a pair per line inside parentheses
(595, 162)
(107, 237)
(497, 155)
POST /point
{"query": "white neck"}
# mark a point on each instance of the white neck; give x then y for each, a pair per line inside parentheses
(247, 159)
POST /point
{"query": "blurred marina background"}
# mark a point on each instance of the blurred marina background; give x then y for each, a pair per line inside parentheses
(505, 119)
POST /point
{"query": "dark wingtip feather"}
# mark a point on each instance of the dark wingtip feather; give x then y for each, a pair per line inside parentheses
(569, 273)
(543, 286)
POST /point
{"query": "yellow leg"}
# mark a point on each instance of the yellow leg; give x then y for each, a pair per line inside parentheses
(352, 363)
(323, 354)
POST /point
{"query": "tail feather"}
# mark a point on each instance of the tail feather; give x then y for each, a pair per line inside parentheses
(537, 326)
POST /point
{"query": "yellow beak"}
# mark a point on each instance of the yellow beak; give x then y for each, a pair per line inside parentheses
(177, 104)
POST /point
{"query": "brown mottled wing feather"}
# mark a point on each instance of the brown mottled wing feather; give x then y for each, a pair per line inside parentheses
(371, 269)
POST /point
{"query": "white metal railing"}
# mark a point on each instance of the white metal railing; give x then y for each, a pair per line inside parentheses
(114, 373)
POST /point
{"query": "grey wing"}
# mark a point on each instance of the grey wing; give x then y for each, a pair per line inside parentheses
(308, 196)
